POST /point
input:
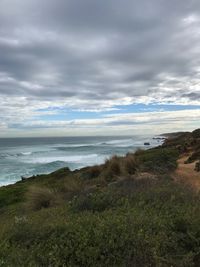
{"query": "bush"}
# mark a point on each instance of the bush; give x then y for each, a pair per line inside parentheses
(155, 224)
(197, 166)
(88, 240)
(196, 133)
(96, 202)
(129, 186)
(160, 160)
(195, 156)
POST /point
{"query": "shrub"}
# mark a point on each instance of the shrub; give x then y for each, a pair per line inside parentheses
(195, 156)
(157, 224)
(159, 160)
(90, 240)
(197, 166)
(96, 202)
(11, 194)
(196, 133)
(130, 186)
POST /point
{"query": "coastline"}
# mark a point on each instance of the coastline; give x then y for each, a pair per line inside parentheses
(115, 143)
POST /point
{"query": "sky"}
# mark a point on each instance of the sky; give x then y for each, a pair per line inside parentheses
(90, 67)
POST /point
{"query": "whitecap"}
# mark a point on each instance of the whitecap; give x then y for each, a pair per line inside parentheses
(26, 153)
(120, 142)
(67, 159)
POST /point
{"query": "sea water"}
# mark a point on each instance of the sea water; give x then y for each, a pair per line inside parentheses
(32, 156)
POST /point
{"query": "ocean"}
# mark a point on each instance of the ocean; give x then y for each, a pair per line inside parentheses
(32, 156)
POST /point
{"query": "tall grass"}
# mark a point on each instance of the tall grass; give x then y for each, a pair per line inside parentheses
(41, 197)
(130, 164)
(112, 169)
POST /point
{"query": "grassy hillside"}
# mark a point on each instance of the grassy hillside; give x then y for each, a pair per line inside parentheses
(126, 212)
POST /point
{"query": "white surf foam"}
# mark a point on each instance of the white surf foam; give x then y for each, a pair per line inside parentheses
(26, 153)
(67, 159)
(120, 142)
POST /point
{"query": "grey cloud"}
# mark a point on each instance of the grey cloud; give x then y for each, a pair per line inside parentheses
(96, 50)
(192, 96)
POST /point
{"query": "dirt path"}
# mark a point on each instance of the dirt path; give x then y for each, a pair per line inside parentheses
(186, 173)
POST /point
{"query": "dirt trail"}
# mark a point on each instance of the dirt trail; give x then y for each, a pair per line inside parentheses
(186, 173)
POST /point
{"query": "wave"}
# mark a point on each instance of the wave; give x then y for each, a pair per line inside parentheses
(116, 142)
(120, 142)
(73, 148)
(67, 159)
(7, 182)
(17, 154)
(3, 155)
(11, 155)
(75, 145)
(25, 153)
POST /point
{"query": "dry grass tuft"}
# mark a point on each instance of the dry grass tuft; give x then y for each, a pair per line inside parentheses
(72, 187)
(112, 168)
(41, 197)
(95, 171)
(129, 164)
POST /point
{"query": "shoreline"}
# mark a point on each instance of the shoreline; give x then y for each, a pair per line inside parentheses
(146, 146)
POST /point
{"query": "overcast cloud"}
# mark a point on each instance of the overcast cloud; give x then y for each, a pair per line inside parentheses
(92, 55)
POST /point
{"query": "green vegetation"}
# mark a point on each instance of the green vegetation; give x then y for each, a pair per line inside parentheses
(159, 160)
(126, 212)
